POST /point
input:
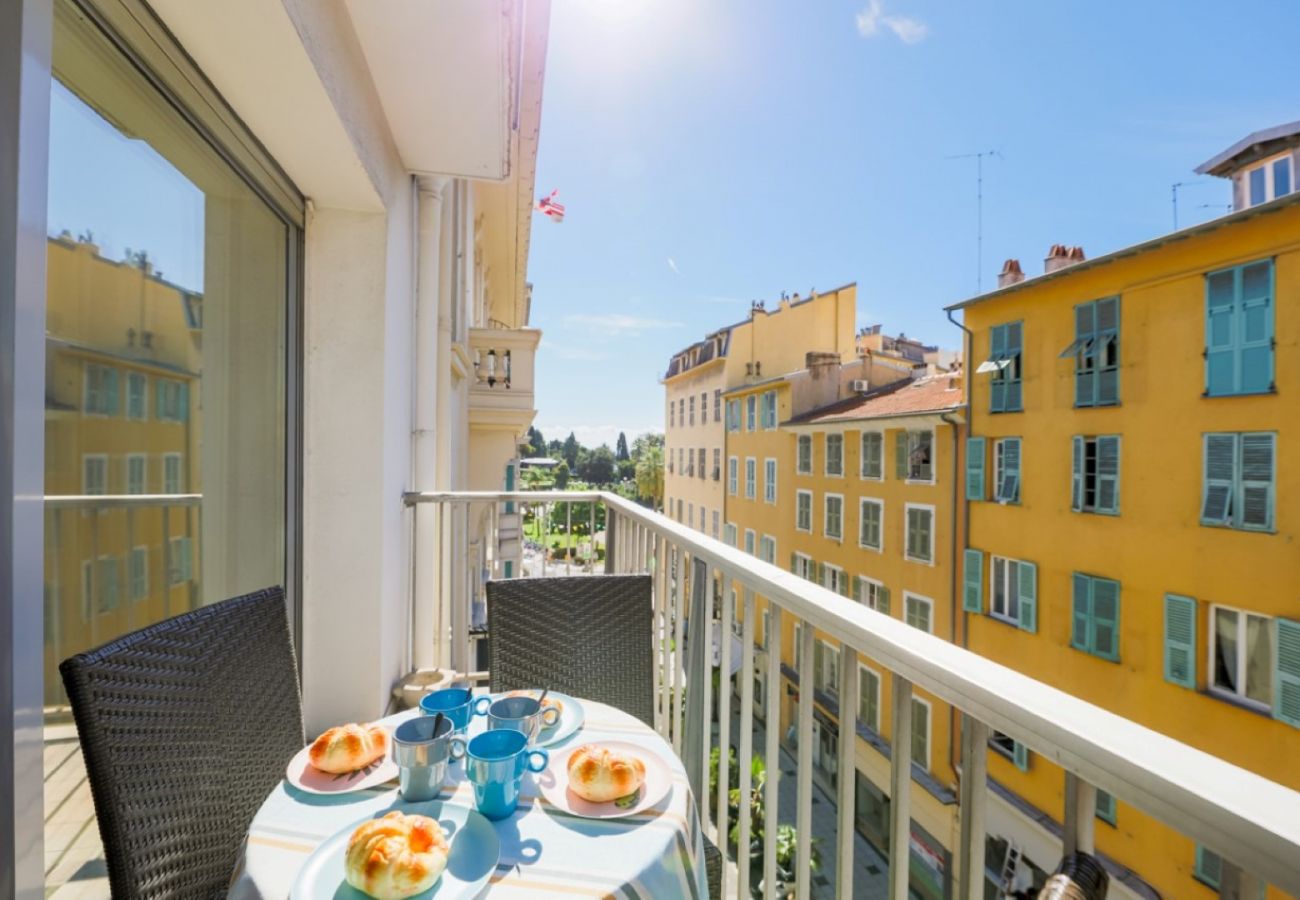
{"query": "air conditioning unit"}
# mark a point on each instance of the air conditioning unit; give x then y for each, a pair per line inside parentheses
(860, 385)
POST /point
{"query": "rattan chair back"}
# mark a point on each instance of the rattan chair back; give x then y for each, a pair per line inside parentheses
(186, 726)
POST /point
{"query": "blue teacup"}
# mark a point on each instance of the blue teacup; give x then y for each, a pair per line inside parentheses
(457, 704)
(522, 714)
(495, 762)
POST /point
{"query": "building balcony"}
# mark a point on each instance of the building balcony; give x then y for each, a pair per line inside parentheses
(501, 393)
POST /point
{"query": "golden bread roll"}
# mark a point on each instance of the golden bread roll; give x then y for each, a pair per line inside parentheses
(548, 703)
(397, 856)
(346, 748)
(599, 774)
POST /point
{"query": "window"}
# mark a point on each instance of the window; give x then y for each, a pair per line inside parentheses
(803, 511)
(871, 514)
(751, 477)
(1180, 640)
(869, 697)
(1269, 181)
(108, 584)
(975, 468)
(172, 473)
(1241, 655)
(1011, 748)
(729, 534)
(136, 396)
(692, 409)
(804, 462)
(767, 549)
(717, 518)
(1095, 627)
(681, 411)
(749, 541)
(717, 464)
(834, 522)
(672, 414)
(1239, 330)
(182, 560)
(717, 405)
(1095, 476)
(94, 478)
(101, 391)
(915, 455)
(733, 466)
(135, 473)
(733, 415)
(919, 612)
(1095, 351)
(701, 454)
(1209, 867)
(920, 533)
(1105, 807)
(921, 733)
(690, 514)
(769, 409)
(704, 408)
(763, 621)
(1013, 592)
(751, 412)
(1005, 363)
(871, 593)
(1006, 470)
(834, 579)
(769, 481)
(826, 668)
(138, 572)
(1239, 486)
(835, 455)
(173, 401)
(802, 566)
(873, 455)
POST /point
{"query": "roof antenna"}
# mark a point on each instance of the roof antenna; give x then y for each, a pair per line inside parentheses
(1173, 189)
(979, 211)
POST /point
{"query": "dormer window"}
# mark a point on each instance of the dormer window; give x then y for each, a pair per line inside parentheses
(1269, 180)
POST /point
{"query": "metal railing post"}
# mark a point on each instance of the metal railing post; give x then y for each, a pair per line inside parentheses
(846, 771)
(803, 779)
(1080, 813)
(746, 758)
(974, 792)
(900, 783)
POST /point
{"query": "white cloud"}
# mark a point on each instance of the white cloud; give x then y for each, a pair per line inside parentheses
(873, 17)
(672, 264)
(618, 324)
(595, 435)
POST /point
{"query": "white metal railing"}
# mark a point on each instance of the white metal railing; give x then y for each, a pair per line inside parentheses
(1248, 820)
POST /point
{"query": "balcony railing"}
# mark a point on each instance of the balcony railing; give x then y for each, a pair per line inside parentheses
(1250, 821)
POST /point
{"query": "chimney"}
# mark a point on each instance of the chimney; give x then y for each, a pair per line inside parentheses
(1076, 255)
(1010, 274)
(824, 375)
(1057, 258)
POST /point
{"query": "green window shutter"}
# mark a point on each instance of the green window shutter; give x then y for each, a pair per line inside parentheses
(900, 454)
(858, 592)
(158, 399)
(1027, 585)
(1014, 351)
(1107, 352)
(1008, 487)
(1220, 476)
(1076, 475)
(1020, 755)
(1286, 695)
(844, 584)
(1085, 363)
(997, 352)
(1105, 618)
(1254, 331)
(1209, 866)
(1106, 807)
(821, 574)
(111, 405)
(1082, 611)
(1180, 640)
(1108, 474)
(972, 595)
(1257, 490)
(1221, 325)
(975, 468)
(882, 600)
(794, 563)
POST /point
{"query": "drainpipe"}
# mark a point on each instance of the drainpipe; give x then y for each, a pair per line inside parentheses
(952, 588)
(968, 371)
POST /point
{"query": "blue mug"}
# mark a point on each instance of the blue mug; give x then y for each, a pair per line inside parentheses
(495, 762)
(522, 714)
(423, 753)
(457, 704)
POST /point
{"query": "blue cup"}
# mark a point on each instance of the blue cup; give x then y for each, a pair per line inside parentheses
(495, 762)
(457, 704)
(522, 714)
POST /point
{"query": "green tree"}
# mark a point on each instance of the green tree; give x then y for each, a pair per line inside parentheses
(646, 441)
(650, 476)
(598, 466)
(536, 443)
(620, 448)
(570, 450)
(626, 470)
(562, 476)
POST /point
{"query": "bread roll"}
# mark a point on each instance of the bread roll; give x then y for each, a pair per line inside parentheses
(599, 774)
(397, 856)
(346, 748)
(548, 703)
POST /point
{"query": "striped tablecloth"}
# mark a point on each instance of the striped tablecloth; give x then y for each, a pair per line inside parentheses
(544, 852)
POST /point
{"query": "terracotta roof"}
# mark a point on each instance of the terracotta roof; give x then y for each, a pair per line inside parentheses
(930, 394)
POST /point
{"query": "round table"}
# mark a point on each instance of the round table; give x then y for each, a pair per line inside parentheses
(545, 852)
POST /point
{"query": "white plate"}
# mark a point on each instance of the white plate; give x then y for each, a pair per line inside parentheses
(475, 850)
(571, 716)
(554, 784)
(306, 777)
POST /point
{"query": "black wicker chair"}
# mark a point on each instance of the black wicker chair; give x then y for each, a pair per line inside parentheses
(588, 636)
(186, 726)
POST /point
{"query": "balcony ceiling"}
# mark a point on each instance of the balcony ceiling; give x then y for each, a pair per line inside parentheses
(447, 76)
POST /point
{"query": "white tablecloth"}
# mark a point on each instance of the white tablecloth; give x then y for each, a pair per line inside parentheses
(545, 852)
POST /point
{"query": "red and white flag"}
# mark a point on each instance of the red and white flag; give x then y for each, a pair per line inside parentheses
(549, 206)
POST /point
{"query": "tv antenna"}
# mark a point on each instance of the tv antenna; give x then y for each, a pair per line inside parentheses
(1173, 189)
(979, 210)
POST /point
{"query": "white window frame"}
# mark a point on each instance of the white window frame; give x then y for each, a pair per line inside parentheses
(929, 730)
(1004, 615)
(803, 440)
(836, 579)
(826, 462)
(871, 601)
(1270, 188)
(907, 507)
(733, 475)
(827, 680)
(1212, 669)
(102, 459)
(751, 542)
(908, 598)
(774, 417)
(862, 458)
(717, 405)
(798, 496)
(143, 380)
(144, 472)
(999, 448)
(751, 412)
(751, 477)
(691, 406)
(769, 480)
(826, 516)
(167, 459)
(98, 408)
(170, 411)
(767, 549)
(804, 567)
(729, 534)
(872, 726)
(934, 456)
(863, 501)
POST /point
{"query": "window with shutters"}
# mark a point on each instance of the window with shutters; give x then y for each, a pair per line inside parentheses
(717, 405)
(138, 572)
(1095, 625)
(871, 516)
(135, 473)
(751, 477)
(834, 522)
(767, 549)
(869, 697)
(729, 534)
(921, 733)
(101, 391)
(835, 455)
(751, 412)
(918, 612)
(672, 414)
(1012, 749)
(1241, 662)
(1004, 589)
(871, 593)
(717, 464)
(1209, 867)
(769, 480)
(873, 456)
(920, 533)
(1239, 484)
(701, 454)
(975, 468)
(692, 410)
(769, 410)
(1094, 484)
(1095, 351)
(803, 511)
(915, 456)
(182, 560)
(803, 567)
(826, 668)
(803, 463)
(173, 400)
(1005, 361)
(681, 411)
(761, 638)
(108, 573)
(1180, 640)
(733, 470)
(733, 415)
(749, 541)
(1239, 330)
(717, 516)
(1105, 807)
(94, 474)
(137, 396)
(704, 408)
(834, 579)
(1006, 470)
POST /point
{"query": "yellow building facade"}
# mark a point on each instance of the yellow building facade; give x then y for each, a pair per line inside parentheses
(1133, 530)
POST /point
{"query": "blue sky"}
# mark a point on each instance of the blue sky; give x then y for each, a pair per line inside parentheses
(712, 153)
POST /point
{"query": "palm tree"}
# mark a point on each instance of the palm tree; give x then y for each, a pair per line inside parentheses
(650, 476)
